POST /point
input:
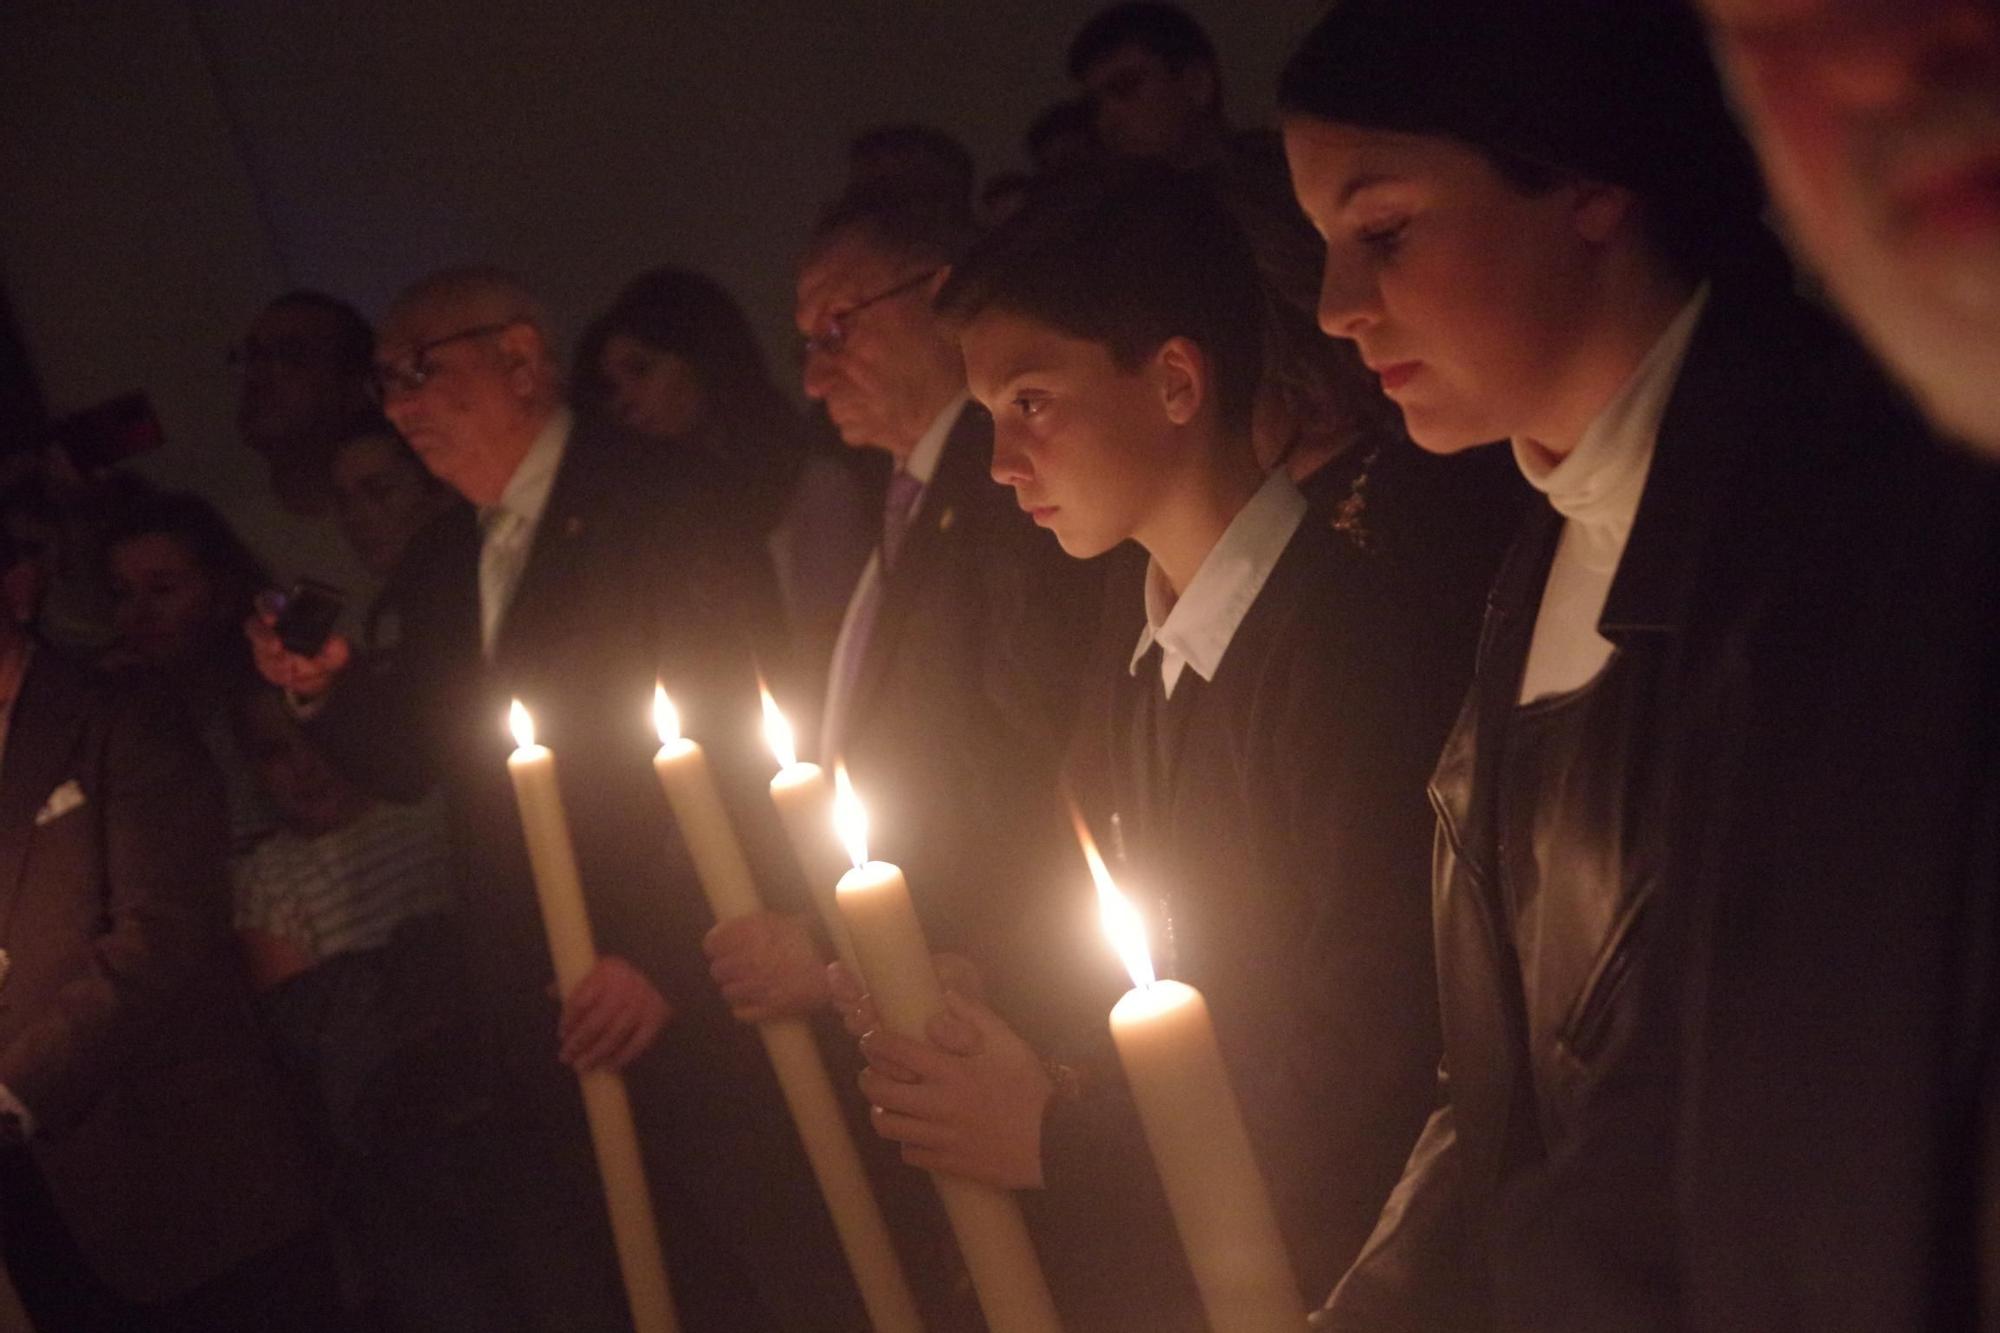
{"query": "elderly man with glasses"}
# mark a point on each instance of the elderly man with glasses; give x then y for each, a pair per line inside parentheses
(593, 568)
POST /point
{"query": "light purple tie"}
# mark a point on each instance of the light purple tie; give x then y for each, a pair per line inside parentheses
(900, 503)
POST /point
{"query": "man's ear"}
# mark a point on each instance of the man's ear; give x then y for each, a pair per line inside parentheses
(1600, 210)
(523, 353)
(1181, 372)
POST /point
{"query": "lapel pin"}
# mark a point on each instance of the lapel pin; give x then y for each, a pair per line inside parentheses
(573, 526)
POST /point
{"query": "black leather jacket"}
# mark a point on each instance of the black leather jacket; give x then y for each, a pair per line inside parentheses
(1542, 1194)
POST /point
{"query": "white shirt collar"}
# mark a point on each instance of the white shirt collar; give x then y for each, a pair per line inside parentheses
(527, 493)
(1195, 630)
(1598, 484)
(923, 460)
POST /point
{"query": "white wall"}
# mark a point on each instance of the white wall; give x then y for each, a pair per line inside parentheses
(166, 165)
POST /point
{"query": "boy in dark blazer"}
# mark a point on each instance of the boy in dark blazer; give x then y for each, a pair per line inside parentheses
(1265, 702)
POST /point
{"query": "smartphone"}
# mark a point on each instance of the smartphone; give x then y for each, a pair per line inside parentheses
(307, 615)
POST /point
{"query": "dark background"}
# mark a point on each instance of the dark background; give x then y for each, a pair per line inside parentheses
(168, 165)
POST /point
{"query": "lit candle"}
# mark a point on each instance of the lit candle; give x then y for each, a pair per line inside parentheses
(802, 1077)
(1194, 1127)
(609, 1111)
(895, 963)
(805, 807)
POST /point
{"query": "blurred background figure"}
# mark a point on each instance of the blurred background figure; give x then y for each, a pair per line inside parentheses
(181, 583)
(382, 494)
(675, 361)
(919, 157)
(343, 914)
(1063, 136)
(304, 364)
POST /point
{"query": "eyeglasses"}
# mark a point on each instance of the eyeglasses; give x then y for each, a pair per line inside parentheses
(832, 338)
(411, 372)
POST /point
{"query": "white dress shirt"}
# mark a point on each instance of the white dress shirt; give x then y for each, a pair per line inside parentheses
(1195, 629)
(855, 626)
(509, 527)
(1597, 488)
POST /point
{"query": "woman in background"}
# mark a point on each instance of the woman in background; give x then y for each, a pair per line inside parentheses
(675, 360)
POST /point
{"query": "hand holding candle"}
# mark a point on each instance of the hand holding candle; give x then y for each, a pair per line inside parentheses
(1221, 1207)
(895, 962)
(802, 1077)
(559, 891)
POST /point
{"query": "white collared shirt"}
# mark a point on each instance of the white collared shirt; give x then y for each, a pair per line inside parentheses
(1597, 488)
(861, 604)
(1195, 629)
(509, 527)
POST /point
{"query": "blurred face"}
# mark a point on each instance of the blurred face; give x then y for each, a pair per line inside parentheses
(310, 797)
(1145, 109)
(653, 391)
(1463, 294)
(1878, 122)
(293, 387)
(161, 601)
(1084, 444)
(381, 499)
(481, 401)
(881, 363)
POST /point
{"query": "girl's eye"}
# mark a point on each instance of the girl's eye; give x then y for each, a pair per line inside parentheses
(1029, 405)
(1384, 238)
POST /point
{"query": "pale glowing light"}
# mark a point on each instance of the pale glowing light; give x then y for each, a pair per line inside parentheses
(850, 819)
(522, 725)
(666, 717)
(777, 731)
(1123, 925)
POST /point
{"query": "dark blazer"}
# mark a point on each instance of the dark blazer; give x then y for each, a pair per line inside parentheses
(1275, 817)
(1516, 1213)
(125, 1025)
(628, 581)
(955, 727)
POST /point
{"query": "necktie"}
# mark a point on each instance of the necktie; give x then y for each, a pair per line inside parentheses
(897, 508)
(503, 552)
(900, 503)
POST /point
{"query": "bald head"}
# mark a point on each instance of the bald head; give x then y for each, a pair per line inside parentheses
(469, 375)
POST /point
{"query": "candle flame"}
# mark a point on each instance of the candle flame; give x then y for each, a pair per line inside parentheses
(777, 731)
(666, 717)
(521, 724)
(1123, 925)
(850, 819)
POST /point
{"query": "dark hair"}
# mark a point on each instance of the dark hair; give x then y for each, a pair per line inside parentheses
(1072, 116)
(691, 315)
(1547, 90)
(920, 155)
(1128, 257)
(1168, 31)
(908, 221)
(354, 339)
(234, 573)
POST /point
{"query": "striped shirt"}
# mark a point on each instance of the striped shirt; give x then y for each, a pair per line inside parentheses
(347, 890)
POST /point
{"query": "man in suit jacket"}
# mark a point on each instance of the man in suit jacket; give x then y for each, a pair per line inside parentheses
(149, 1177)
(949, 694)
(589, 574)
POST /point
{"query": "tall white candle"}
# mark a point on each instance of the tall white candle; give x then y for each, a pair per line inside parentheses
(802, 1077)
(804, 799)
(895, 963)
(613, 1136)
(1194, 1127)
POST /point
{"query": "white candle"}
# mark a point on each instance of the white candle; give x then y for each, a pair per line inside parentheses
(896, 965)
(802, 1077)
(1194, 1127)
(804, 800)
(615, 1139)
